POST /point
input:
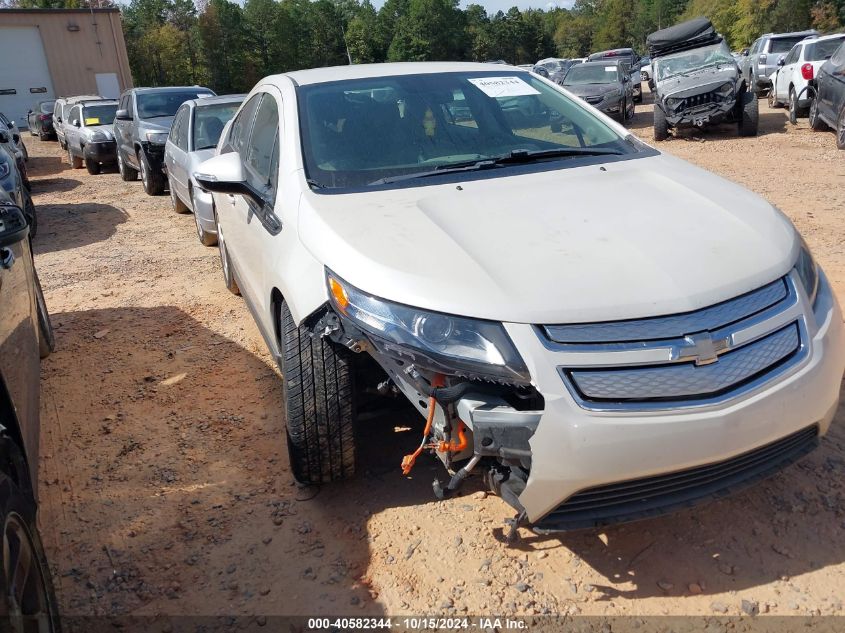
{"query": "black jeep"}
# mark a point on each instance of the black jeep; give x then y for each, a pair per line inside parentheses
(697, 82)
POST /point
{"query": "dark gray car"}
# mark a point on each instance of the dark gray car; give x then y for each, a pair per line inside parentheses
(697, 82)
(761, 60)
(141, 126)
(604, 85)
(828, 107)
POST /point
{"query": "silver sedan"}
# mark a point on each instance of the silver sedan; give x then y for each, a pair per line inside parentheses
(193, 138)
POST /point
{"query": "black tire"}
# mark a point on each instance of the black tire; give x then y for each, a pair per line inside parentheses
(127, 173)
(73, 160)
(226, 265)
(24, 151)
(816, 122)
(840, 130)
(46, 334)
(29, 605)
(638, 98)
(206, 238)
(749, 114)
(178, 206)
(661, 126)
(623, 111)
(152, 179)
(43, 136)
(93, 166)
(31, 215)
(793, 107)
(319, 393)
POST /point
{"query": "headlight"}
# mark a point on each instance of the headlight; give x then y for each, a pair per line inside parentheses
(444, 343)
(726, 89)
(159, 138)
(808, 272)
(98, 136)
(671, 102)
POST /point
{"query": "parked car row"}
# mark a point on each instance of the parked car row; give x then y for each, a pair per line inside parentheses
(810, 81)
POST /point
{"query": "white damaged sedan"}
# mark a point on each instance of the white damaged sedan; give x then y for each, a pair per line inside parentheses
(603, 331)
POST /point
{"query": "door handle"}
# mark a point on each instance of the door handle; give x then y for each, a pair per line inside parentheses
(7, 258)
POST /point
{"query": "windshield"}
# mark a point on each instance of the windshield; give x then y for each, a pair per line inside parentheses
(686, 62)
(819, 51)
(589, 74)
(161, 104)
(99, 114)
(47, 106)
(358, 132)
(209, 122)
(784, 44)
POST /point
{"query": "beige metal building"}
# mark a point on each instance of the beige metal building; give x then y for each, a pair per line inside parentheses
(49, 53)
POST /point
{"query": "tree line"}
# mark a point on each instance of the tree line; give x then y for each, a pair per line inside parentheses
(228, 47)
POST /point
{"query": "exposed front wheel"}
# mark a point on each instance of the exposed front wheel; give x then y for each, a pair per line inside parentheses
(661, 126)
(749, 115)
(773, 100)
(319, 404)
(226, 265)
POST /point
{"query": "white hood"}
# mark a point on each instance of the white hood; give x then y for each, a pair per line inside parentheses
(646, 237)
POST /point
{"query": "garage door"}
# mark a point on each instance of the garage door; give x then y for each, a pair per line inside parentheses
(24, 75)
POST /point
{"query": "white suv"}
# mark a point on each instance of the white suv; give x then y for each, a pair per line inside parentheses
(797, 69)
(598, 362)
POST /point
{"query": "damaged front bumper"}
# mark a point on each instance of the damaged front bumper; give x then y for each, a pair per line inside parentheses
(700, 116)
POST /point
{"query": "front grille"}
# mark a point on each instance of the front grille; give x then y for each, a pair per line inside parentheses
(711, 318)
(660, 494)
(690, 359)
(695, 101)
(684, 380)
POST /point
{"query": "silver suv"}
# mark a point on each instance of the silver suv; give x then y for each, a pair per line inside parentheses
(761, 60)
(141, 126)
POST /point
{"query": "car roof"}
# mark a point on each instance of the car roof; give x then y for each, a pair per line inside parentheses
(371, 71)
(220, 99)
(169, 89)
(78, 98)
(775, 36)
(614, 51)
(100, 102)
(599, 62)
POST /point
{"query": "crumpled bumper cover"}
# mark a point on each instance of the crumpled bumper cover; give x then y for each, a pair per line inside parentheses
(712, 113)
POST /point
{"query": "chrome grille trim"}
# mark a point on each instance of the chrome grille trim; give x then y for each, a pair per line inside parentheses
(683, 380)
(674, 326)
(761, 337)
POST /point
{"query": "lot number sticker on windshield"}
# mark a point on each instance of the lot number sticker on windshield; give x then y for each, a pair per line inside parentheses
(609, 69)
(92, 121)
(503, 87)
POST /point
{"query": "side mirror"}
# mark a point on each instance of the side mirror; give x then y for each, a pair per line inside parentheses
(781, 61)
(75, 122)
(58, 119)
(744, 52)
(123, 115)
(4, 137)
(225, 174)
(13, 226)
(626, 79)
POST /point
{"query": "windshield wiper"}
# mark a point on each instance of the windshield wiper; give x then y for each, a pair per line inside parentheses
(514, 157)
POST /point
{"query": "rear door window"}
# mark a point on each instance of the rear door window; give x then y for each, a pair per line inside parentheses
(263, 147)
(241, 126)
(783, 44)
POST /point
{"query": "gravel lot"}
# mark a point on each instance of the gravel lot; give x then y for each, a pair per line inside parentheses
(165, 487)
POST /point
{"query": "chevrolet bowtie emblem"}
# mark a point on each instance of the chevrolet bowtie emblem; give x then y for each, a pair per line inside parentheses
(702, 348)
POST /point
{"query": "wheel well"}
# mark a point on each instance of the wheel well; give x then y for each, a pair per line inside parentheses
(276, 301)
(9, 422)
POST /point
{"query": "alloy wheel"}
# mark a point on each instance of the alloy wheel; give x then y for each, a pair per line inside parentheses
(27, 597)
(143, 164)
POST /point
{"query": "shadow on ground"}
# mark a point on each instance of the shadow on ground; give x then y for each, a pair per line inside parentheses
(65, 226)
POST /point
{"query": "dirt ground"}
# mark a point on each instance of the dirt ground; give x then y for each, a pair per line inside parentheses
(165, 485)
